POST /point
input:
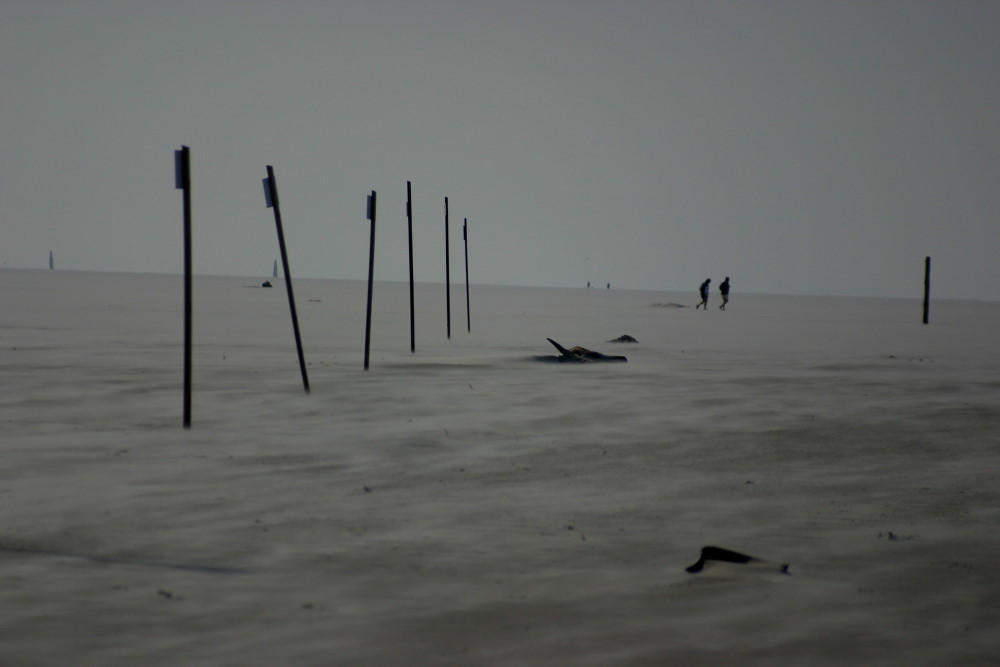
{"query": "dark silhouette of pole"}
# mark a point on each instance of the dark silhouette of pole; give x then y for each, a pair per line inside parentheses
(465, 237)
(271, 196)
(182, 174)
(447, 266)
(927, 289)
(409, 227)
(371, 276)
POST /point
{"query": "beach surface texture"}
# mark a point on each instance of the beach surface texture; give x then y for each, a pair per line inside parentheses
(468, 505)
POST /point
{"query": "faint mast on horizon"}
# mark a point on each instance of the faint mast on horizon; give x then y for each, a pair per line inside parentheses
(52, 263)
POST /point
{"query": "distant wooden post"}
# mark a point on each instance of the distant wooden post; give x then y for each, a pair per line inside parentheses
(447, 266)
(927, 289)
(52, 261)
(409, 226)
(465, 237)
(271, 197)
(182, 178)
(371, 276)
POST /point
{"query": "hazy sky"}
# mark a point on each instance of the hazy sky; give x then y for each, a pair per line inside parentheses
(798, 146)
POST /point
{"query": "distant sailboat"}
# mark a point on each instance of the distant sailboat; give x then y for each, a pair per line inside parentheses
(52, 263)
(274, 273)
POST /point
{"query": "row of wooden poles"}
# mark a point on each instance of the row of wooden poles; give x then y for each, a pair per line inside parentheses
(183, 182)
(182, 168)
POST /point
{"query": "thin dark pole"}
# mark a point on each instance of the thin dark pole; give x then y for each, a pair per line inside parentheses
(409, 226)
(183, 175)
(927, 289)
(447, 266)
(371, 277)
(272, 192)
(465, 237)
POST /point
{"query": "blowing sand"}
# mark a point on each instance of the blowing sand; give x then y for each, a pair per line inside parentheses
(467, 505)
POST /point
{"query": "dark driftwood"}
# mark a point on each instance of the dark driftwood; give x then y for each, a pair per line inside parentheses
(726, 556)
(578, 354)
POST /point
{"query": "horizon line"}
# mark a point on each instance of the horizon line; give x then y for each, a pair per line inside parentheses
(425, 282)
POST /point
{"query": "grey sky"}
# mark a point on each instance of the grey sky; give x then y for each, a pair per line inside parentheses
(797, 146)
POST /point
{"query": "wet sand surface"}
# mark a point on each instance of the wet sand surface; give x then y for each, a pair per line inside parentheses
(466, 504)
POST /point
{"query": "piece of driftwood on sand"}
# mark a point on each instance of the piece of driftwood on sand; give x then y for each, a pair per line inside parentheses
(578, 354)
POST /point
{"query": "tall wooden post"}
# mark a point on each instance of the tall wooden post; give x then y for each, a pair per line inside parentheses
(465, 237)
(271, 197)
(182, 177)
(447, 266)
(927, 289)
(409, 227)
(371, 276)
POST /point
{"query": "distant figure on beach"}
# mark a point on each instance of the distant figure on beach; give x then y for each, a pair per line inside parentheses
(703, 290)
(724, 291)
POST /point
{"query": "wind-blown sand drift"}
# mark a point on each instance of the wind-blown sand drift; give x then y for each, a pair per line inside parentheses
(465, 505)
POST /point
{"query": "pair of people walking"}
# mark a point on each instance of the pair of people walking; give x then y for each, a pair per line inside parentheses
(723, 290)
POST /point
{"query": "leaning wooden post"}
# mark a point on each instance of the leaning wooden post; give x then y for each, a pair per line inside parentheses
(447, 267)
(271, 197)
(182, 177)
(409, 226)
(927, 289)
(465, 237)
(371, 276)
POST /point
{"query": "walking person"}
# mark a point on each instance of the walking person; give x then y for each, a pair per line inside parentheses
(724, 291)
(703, 290)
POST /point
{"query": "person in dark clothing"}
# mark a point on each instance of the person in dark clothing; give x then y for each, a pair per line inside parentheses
(703, 290)
(724, 291)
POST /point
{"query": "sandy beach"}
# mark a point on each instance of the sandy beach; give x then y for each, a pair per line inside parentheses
(467, 504)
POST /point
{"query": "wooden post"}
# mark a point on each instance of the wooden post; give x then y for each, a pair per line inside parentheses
(465, 237)
(371, 276)
(409, 226)
(182, 176)
(271, 197)
(927, 289)
(447, 267)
